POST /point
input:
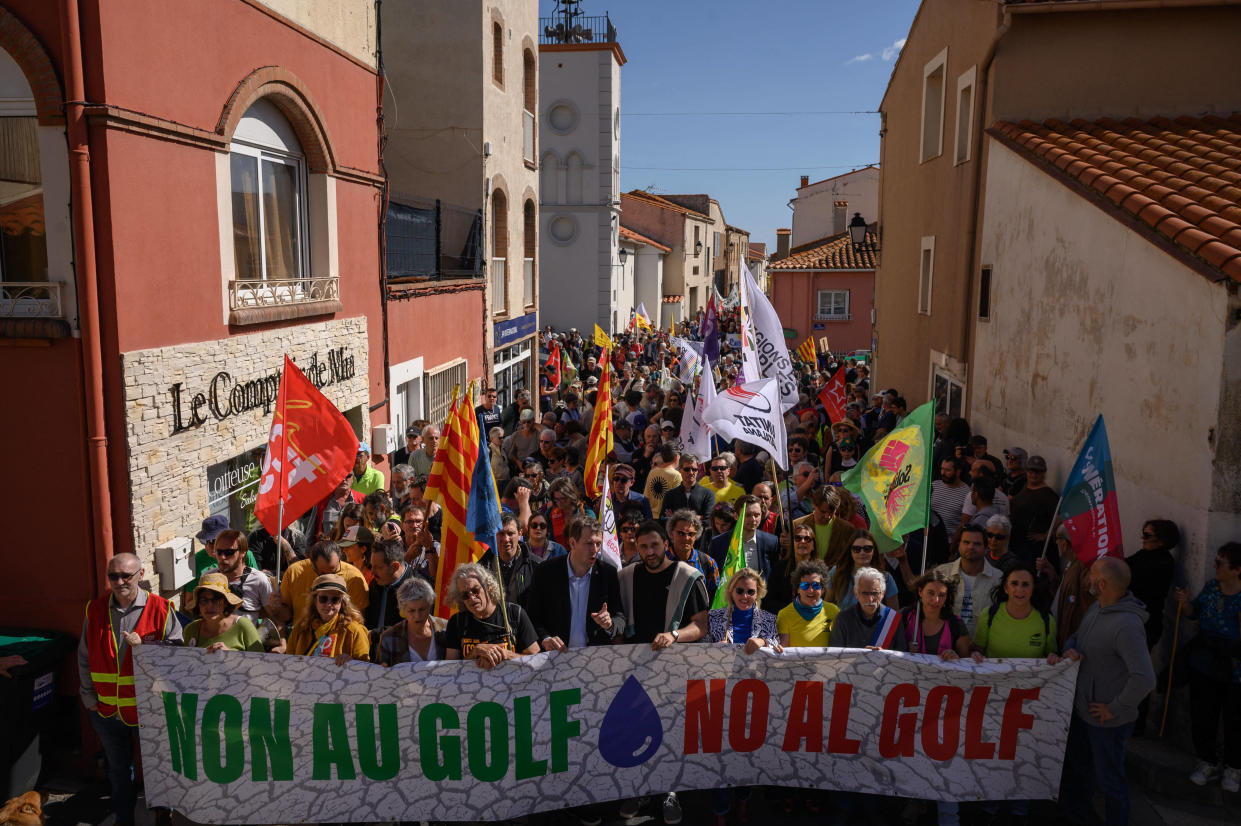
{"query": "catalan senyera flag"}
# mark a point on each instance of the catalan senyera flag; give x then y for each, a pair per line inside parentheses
(449, 484)
(806, 351)
(600, 444)
(602, 338)
(733, 563)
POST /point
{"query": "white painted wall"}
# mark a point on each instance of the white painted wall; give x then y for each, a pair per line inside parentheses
(813, 206)
(579, 141)
(648, 274)
(1089, 317)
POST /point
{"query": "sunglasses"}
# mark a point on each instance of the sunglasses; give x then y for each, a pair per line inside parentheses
(327, 599)
(990, 535)
(803, 538)
(863, 549)
(625, 528)
(745, 592)
(810, 586)
(538, 526)
(476, 591)
(720, 468)
(226, 551)
(121, 576)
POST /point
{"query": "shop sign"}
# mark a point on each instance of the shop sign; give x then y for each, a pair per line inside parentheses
(227, 395)
(506, 332)
(232, 486)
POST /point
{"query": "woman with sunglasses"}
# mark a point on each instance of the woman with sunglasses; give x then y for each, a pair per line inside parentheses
(483, 629)
(628, 520)
(863, 553)
(807, 621)
(785, 581)
(217, 626)
(330, 626)
(740, 622)
(539, 540)
(998, 531)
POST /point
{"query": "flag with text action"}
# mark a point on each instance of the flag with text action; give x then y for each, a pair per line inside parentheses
(894, 481)
(1088, 502)
(310, 448)
(751, 412)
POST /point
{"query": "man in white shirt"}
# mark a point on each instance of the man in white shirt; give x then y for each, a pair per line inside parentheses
(972, 577)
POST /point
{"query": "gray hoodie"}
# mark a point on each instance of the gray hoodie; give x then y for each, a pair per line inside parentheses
(1116, 667)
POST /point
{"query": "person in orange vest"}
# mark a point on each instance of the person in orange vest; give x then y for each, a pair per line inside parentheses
(126, 616)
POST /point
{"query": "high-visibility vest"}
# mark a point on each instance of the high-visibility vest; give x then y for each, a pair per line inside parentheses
(114, 682)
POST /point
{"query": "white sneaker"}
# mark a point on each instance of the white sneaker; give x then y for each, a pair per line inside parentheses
(672, 809)
(1203, 773)
(629, 807)
(1232, 780)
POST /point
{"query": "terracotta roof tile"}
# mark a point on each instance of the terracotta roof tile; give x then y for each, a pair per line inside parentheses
(833, 253)
(1181, 177)
(627, 233)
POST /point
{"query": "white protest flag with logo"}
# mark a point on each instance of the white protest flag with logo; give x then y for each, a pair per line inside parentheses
(690, 359)
(751, 367)
(695, 435)
(607, 518)
(751, 412)
(768, 340)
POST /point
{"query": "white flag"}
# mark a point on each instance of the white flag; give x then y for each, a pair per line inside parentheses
(690, 359)
(607, 518)
(751, 412)
(768, 341)
(695, 435)
(751, 368)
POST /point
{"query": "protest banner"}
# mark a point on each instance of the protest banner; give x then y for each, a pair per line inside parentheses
(243, 737)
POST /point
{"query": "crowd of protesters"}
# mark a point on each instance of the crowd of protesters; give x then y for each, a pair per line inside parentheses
(993, 575)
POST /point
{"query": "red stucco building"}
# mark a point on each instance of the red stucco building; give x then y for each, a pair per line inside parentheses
(826, 289)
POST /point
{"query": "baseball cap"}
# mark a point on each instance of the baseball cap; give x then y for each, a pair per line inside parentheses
(1037, 464)
(527, 415)
(1015, 451)
(212, 527)
(413, 432)
(667, 426)
(357, 535)
(363, 447)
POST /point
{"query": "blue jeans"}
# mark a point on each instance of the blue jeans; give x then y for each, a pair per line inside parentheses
(1096, 754)
(118, 744)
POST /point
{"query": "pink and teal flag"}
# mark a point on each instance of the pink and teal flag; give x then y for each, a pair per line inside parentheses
(1088, 505)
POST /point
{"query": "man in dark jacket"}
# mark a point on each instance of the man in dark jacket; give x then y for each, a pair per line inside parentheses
(690, 494)
(575, 599)
(516, 564)
(1114, 676)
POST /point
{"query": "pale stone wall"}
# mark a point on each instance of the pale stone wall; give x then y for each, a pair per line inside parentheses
(349, 24)
(168, 464)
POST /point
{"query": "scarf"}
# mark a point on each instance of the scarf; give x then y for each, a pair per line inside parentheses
(805, 613)
(740, 624)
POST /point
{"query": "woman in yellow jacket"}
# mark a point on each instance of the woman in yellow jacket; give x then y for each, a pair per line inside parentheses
(331, 627)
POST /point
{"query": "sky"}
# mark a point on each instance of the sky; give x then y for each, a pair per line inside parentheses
(803, 57)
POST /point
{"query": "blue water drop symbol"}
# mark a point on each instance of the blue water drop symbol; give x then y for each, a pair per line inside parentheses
(631, 731)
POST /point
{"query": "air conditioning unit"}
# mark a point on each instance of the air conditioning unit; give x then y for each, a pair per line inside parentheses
(174, 562)
(383, 439)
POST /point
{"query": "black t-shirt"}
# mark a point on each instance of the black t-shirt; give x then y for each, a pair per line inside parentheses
(466, 631)
(650, 601)
(487, 419)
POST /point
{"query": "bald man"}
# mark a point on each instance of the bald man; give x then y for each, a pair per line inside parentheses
(1114, 676)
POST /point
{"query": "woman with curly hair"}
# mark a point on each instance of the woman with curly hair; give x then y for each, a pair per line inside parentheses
(483, 629)
(330, 626)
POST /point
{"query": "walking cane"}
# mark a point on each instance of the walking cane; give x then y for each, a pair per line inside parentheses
(1167, 694)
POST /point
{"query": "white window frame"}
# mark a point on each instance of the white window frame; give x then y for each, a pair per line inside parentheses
(937, 64)
(965, 116)
(298, 162)
(820, 315)
(938, 372)
(926, 274)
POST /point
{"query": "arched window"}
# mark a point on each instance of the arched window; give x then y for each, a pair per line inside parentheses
(573, 179)
(550, 177)
(499, 252)
(268, 173)
(530, 237)
(23, 238)
(497, 52)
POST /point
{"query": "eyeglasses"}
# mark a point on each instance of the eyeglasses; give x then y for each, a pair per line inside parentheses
(226, 551)
(121, 576)
(327, 599)
(810, 586)
(803, 539)
(870, 594)
(862, 549)
(720, 468)
(745, 592)
(996, 536)
(476, 591)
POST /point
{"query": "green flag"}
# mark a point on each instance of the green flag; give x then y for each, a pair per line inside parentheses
(733, 563)
(894, 479)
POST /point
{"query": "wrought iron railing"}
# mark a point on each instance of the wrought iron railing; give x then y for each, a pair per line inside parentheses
(577, 29)
(270, 292)
(31, 299)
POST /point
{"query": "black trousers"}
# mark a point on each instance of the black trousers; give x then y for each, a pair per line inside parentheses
(1208, 699)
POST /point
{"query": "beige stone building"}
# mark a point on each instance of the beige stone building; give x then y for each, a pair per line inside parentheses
(686, 233)
(1062, 239)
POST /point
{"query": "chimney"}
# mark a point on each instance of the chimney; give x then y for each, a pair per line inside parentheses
(840, 214)
(783, 236)
(805, 181)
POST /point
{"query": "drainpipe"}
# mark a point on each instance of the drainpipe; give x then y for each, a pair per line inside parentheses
(88, 286)
(971, 261)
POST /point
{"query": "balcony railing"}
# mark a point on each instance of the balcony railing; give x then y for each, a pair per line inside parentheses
(527, 282)
(576, 28)
(527, 143)
(274, 292)
(834, 317)
(431, 240)
(31, 299)
(499, 274)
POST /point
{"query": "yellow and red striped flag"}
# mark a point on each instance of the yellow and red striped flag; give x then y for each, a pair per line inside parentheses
(600, 444)
(806, 351)
(449, 485)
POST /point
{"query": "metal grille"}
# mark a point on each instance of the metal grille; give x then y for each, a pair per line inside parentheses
(439, 386)
(432, 240)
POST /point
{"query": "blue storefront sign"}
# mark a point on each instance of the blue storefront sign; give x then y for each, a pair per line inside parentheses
(515, 329)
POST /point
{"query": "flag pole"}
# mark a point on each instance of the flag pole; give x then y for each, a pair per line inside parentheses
(1054, 516)
(1167, 693)
(784, 520)
(282, 411)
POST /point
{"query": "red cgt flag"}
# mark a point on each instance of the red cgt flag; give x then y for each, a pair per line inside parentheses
(833, 396)
(318, 449)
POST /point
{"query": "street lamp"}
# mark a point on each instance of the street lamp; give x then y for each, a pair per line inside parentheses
(624, 253)
(697, 248)
(857, 230)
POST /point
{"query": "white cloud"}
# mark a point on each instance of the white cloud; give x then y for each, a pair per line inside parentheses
(892, 51)
(859, 59)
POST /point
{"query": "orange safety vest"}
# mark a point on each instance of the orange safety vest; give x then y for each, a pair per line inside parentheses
(114, 682)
